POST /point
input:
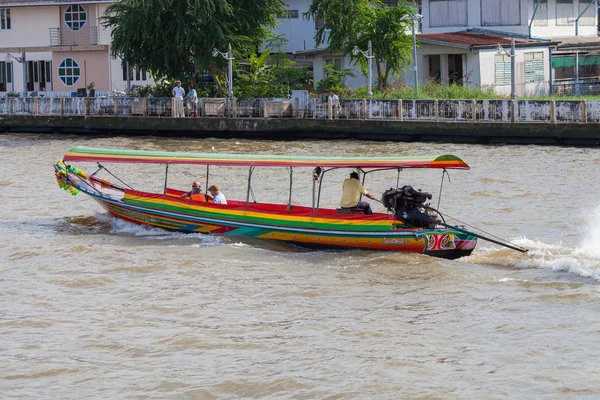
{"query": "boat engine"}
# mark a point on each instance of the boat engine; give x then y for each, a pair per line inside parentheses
(408, 205)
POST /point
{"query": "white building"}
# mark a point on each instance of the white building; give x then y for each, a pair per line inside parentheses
(459, 42)
(64, 44)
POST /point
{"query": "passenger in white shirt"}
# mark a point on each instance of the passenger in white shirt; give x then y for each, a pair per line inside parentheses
(216, 196)
(178, 93)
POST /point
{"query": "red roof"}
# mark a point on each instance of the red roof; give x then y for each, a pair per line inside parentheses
(469, 38)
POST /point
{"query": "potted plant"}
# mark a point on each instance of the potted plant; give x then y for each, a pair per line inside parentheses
(91, 90)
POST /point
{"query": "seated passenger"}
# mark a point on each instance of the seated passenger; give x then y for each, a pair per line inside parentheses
(216, 196)
(196, 189)
(351, 190)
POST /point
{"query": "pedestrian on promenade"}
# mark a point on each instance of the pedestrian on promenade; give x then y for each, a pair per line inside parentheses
(178, 93)
(335, 103)
(193, 96)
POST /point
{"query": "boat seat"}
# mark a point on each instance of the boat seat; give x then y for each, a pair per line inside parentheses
(348, 211)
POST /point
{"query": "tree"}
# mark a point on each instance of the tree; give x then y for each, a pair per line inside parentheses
(270, 76)
(256, 81)
(176, 37)
(350, 23)
(333, 78)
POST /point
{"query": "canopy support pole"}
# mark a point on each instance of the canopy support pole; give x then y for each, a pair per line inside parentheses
(249, 185)
(363, 182)
(313, 195)
(444, 172)
(291, 181)
(398, 178)
(321, 178)
(207, 171)
(166, 175)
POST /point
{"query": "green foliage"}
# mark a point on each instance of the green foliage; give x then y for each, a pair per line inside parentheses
(163, 88)
(255, 82)
(430, 90)
(350, 23)
(287, 76)
(176, 37)
(333, 78)
(268, 76)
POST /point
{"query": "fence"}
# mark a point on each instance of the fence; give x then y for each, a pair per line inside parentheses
(532, 111)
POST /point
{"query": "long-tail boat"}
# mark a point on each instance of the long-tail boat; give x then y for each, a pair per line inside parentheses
(410, 225)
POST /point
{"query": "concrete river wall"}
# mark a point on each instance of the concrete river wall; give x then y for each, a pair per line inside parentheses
(574, 123)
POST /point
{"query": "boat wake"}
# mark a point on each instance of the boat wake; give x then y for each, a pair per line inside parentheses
(582, 260)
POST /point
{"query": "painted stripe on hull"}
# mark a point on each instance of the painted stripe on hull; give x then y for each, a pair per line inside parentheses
(402, 241)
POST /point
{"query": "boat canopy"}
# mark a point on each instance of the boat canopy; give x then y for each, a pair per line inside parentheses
(91, 154)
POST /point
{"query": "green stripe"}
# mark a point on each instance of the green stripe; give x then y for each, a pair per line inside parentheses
(262, 220)
(252, 157)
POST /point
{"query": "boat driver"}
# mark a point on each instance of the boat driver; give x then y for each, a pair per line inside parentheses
(351, 190)
(196, 189)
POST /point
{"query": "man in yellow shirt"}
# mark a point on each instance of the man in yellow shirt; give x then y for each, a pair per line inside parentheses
(351, 190)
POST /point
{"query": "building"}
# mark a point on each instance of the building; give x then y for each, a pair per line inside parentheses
(63, 45)
(458, 38)
(459, 42)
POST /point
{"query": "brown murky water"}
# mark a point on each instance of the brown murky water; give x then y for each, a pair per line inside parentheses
(92, 307)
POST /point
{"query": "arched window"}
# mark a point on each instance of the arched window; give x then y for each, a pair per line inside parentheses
(69, 71)
(75, 17)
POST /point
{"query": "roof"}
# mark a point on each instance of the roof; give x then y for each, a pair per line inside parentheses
(91, 154)
(19, 3)
(469, 39)
(577, 42)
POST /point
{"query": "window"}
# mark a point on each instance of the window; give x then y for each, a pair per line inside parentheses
(447, 13)
(500, 12)
(4, 18)
(69, 71)
(135, 73)
(502, 70)
(75, 17)
(534, 67)
(337, 63)
(588, 18)
(541, 15)
(5, 75)
(319, 22)
(289, 14)
(564, 12)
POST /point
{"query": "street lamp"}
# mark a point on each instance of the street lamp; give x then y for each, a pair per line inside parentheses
(369, 55)
(414, 18)
(21, 60)
(229, 57)
(501, 50)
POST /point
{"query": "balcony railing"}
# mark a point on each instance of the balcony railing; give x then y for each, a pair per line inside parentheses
(88, 35)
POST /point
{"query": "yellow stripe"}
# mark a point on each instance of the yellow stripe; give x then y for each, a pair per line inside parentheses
(277, 217)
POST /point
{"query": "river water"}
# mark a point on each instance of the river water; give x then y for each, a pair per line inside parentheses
(93, 307)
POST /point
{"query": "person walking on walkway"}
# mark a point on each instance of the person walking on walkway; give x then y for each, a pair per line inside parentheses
(179, 94)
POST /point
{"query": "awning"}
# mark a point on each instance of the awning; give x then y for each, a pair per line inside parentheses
(90, 154)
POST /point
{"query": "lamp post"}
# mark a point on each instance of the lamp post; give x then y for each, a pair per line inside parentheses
(229, 57)
(414, 18)
(500, 50)
(21, 60)
(369, 55)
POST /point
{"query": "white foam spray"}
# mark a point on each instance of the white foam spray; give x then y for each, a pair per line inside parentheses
(582, 260)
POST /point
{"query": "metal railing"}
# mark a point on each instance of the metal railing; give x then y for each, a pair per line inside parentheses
(87, 35)
(471, 111)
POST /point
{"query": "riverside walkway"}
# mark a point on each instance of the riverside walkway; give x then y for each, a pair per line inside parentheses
(461, 121)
